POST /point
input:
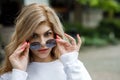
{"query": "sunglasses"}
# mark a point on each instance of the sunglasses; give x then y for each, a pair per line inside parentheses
(49, 43)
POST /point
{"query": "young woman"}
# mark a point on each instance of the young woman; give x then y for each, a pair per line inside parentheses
(40, 50)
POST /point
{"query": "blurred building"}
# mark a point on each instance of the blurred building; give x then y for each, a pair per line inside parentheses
(64, 9)
(9, 10)
(45, 2)
(67, 10)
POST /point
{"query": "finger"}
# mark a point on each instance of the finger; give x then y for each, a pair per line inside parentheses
(17, 53)
(79, 41)
(63, 42)
(60, 40)
(72, 40)
(58, 37)
(20, 48)
(27, 49)
(23, 45)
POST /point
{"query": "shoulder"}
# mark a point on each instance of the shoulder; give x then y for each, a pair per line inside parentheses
(5, 76)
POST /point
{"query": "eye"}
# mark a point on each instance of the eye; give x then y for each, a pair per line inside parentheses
(34, 36)
(49, 33)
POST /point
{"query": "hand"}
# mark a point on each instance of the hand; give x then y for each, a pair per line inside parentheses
(66, 47)
(20, 57)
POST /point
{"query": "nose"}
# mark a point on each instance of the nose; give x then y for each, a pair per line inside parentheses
(43, 41)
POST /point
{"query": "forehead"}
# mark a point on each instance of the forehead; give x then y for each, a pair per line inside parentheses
(42, 28)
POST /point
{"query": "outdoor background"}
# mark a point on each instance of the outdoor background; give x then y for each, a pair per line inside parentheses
(97, 22)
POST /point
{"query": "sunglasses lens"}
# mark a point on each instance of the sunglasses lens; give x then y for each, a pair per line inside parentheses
(35, 46)
(51, 43)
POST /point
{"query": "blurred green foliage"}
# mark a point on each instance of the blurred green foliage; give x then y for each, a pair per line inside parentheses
(106, 5)
(108, 32)
(110, 25)
(110, 6)
(0, 39)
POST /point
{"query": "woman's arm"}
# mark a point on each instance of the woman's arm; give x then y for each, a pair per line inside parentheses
(19, 75)
(16, 74)
(19, 60)
(73, 67)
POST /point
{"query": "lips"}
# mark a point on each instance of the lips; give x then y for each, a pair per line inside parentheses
(42, 50)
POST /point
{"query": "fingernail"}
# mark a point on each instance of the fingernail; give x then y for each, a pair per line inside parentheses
(78, 35)
(28, 43)
(25, 43)
(57, 36)
(22, 48)
(65, 33)
(57, 39)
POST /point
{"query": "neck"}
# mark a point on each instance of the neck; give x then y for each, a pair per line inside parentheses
(48, 59)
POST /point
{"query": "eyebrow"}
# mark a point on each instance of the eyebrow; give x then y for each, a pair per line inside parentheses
(44, 32)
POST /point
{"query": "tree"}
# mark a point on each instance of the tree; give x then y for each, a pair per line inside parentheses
(110, 6)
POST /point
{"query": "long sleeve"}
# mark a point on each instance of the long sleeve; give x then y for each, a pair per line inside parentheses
(5, 76)
(14, 75)
(19, 75)
(73, 67)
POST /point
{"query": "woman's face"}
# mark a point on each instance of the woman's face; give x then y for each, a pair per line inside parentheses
(42, 34)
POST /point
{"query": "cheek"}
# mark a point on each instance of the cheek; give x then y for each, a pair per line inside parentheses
(35, 52)
(39, 55)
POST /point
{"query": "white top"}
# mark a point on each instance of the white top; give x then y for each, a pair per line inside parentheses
(68, 67)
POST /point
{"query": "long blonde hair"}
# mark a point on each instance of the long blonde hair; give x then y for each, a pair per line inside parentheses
(27, 21)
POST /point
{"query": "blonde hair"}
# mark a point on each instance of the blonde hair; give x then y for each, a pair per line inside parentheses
(28, 20)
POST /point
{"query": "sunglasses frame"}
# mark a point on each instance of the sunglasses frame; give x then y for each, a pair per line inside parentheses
(49, 43)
